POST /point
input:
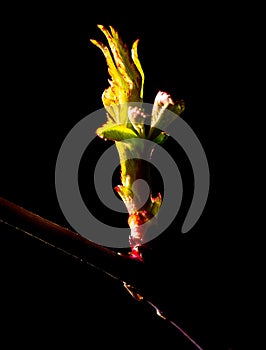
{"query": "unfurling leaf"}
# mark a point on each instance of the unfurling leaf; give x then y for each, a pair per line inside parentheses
(135, 57)
(164, 112)
(154, 205)
(127, 196)
(127, 77)
(116, 133)
(161, 138)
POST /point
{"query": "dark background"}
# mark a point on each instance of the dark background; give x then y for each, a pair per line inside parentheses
(52, 78)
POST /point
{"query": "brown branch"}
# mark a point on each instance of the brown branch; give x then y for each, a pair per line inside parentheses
(120, 267)
(124, 269)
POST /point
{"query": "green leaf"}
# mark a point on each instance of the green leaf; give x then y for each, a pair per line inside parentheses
(135, 57)
(125, 193)
(161, 138)
(154, 205)
(127, 196)
(116, 133)
(127, 77)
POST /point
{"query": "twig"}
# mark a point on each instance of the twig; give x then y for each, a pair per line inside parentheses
(120, 268)
(69, 241)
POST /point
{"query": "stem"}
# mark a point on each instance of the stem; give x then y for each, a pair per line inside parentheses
(141, 206)
(68, 241)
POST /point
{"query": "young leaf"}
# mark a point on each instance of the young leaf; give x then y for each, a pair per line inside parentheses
(161, 138)
(126, 83)
(116, 133)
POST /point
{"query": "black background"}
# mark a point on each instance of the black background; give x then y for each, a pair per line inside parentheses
(52, 78)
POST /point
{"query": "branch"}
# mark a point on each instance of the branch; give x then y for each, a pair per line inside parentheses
(126, 270)
(64, 239)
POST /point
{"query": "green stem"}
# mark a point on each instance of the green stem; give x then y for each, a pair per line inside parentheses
(141, 207)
